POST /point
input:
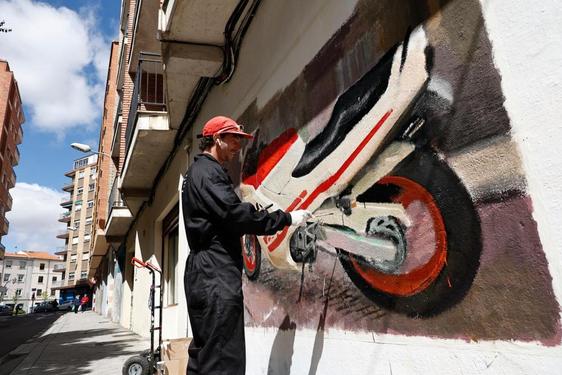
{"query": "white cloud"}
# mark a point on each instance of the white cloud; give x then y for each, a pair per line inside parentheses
(59, 59)
(34, 218)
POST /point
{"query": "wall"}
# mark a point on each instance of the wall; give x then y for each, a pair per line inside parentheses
(494, 304)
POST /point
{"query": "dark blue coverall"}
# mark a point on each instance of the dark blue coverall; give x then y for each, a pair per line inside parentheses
(215, 219)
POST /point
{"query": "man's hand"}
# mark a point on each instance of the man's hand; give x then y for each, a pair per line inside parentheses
(299, 217)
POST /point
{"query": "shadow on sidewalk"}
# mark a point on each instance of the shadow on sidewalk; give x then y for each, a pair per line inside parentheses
(83, 352)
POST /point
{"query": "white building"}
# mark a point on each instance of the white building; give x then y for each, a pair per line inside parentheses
(30, 275)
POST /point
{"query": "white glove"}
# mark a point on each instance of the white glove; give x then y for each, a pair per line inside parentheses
(299, 217)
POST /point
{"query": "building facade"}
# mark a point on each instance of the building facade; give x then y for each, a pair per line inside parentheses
(31, 277)
(476, 294)
(79, 223)
(11, 135)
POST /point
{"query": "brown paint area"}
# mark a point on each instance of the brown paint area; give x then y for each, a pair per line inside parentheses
(511, 297)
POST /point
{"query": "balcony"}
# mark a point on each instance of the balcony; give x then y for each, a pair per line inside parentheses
(148, 133)
(69, 187)
(66, 202)
(4, 226)
(61, 250)
(143, 34)
(12, 180)
(192, 36)
(59, 268)
(19, 136)
(119, 219)
(16, 156)
(9, 202)
(63, 235)
(64, 217)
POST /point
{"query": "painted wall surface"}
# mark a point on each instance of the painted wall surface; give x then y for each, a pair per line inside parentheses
(492, 171)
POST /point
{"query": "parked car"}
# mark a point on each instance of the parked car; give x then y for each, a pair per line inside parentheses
(6, 310)
(44, 307)
(65, 306)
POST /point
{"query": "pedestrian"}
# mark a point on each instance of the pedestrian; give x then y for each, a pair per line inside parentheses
(76, 303)
(84, 302)
(215, 219)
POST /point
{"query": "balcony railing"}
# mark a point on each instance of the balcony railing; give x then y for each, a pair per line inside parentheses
(115, 199)
(149, 94)
(64, 217)
(66, 201)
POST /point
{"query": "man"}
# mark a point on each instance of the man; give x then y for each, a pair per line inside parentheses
(215, 219)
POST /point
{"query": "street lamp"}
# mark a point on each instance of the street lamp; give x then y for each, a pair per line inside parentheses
(86, 148)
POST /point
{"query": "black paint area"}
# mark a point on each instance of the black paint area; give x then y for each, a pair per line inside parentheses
(350, 107)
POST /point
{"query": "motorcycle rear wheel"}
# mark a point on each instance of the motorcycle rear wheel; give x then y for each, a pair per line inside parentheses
(443, 241)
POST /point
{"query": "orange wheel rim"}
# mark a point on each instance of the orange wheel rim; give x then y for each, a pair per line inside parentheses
(421, 277)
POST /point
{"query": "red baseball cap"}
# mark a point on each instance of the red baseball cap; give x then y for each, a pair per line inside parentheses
(223, 125)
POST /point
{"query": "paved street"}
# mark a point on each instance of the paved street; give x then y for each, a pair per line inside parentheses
(83, 343)
(15, 331)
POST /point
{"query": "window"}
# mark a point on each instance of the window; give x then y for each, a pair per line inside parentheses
(85, 256)
(75, 240)
(93, 170)
(76, 223)
(81, 174)
(71, 276)
(78, 205)
(91, 187)
(40, 279)
(20, 278)
(83, 275)
(91, 203)
(39, 292)
(53, 292)
(8, 264)
(18, 292)
(73, 258)
(41, 266)
(88, 220)
(87, 237)
(79, 191)
(22, 264)
(170, 229)
(6, 276)
(80, 163)
(54, 278)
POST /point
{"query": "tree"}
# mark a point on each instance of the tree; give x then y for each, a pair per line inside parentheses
(2, 28)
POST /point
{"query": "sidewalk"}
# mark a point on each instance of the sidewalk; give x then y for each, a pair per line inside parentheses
(83, 343)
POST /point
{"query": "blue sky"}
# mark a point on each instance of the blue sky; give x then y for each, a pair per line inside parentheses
(58, 51)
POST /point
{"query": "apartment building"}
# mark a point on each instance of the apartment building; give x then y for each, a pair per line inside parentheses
(79, 205)
(31, 276)
(11, 135)
(102, 265)
(318, 70)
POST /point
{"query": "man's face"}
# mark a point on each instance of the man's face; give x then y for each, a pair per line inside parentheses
(228, 145)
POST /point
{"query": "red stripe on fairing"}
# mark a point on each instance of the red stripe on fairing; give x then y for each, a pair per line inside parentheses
(329, 181)
(270, 156)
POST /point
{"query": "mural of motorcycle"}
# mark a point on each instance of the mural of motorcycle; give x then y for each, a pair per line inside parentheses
(383, 201)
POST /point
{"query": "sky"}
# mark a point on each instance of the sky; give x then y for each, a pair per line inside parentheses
(58, 51)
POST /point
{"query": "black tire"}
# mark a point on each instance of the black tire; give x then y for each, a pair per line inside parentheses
(251, 254)
(136, 365)
(462, 234)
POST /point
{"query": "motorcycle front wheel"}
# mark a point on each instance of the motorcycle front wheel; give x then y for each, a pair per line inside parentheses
(251, 256)
(443, 240)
